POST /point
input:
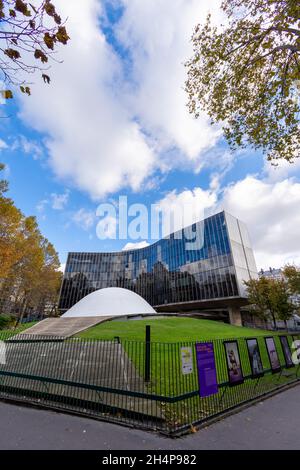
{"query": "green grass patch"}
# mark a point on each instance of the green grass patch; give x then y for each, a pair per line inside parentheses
(13, 331)
(169, 330)
(168, 335)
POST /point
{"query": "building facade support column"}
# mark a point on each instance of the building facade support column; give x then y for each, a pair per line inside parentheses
(235, 316)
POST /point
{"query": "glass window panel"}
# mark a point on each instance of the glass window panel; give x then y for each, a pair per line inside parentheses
(166, 272)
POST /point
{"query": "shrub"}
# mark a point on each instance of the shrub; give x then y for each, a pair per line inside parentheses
(6, 321)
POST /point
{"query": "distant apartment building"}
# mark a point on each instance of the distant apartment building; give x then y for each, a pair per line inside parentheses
(271, 273)
(277, 273)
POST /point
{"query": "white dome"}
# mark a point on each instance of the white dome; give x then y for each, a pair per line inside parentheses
(111, 301)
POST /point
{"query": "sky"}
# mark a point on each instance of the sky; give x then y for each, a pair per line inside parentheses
(114, 123)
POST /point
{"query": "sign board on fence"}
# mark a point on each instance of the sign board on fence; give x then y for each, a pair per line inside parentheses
(286, 351)
(207, 374)
(256, 364)
(272, 353)
(234, 366)
(186, 360)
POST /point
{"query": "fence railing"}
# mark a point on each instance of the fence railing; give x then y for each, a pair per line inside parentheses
(136, 383)
(292, 326)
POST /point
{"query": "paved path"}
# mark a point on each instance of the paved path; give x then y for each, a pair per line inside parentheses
(272, 424)
(61, 327)
(103, 363)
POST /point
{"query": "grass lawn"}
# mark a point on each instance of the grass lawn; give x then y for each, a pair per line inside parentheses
(169, 330)
(166, 375)
(20, 329)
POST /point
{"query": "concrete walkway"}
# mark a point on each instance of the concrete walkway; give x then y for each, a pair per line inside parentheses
(61, 327)
(103, 363)
(271, 424)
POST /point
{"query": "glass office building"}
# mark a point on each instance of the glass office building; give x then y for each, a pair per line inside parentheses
(202, 265)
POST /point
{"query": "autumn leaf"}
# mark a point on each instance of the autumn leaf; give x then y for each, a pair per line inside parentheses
(7, 94)
(49, 41)
(25, 90)
(2, 15)
(46, 78)
(22, 8)
(12, 54)
(38, 54)
(49, 8)
(57, 18)
(62, 35)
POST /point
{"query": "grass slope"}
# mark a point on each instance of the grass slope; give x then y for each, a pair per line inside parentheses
(166, 376)
(169, 330)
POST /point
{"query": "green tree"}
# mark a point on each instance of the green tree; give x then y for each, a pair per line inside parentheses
(292, 275)
(258, 293)
(10, 220)
(246, 76)
(269, 298)
(29, 36)
(48, 282)
(10, 236)
(282, 306)
(3, 183)
(29, 264)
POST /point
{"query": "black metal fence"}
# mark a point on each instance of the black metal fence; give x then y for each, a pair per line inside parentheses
(130, 382)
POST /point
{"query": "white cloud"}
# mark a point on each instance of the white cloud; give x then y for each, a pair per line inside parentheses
(184, 208)
(3, 145)
(41, 205)
(270, 210)
(135, 246)
(59, 201)
(93, 141)
(157, 35)
(283, 170)
(84, 218)
(109, 128)
(30, 147)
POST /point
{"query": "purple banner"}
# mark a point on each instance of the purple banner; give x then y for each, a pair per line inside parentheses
(207, 374)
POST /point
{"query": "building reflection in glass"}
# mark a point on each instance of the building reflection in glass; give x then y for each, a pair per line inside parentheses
(167, 273)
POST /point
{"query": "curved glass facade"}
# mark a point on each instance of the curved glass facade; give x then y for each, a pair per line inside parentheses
(167, 272)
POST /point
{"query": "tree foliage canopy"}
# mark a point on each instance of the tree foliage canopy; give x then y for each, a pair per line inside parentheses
(3, 183)
(292, 275)
(28, 37)
(270, 298)
(29, 264)
(247, 75)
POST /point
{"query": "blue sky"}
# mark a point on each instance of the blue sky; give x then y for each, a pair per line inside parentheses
(114, 122)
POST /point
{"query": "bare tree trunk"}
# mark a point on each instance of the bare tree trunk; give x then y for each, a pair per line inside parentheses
(274, 320)
(22, 313)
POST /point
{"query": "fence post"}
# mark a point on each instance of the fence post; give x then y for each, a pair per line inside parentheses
(147, 354)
